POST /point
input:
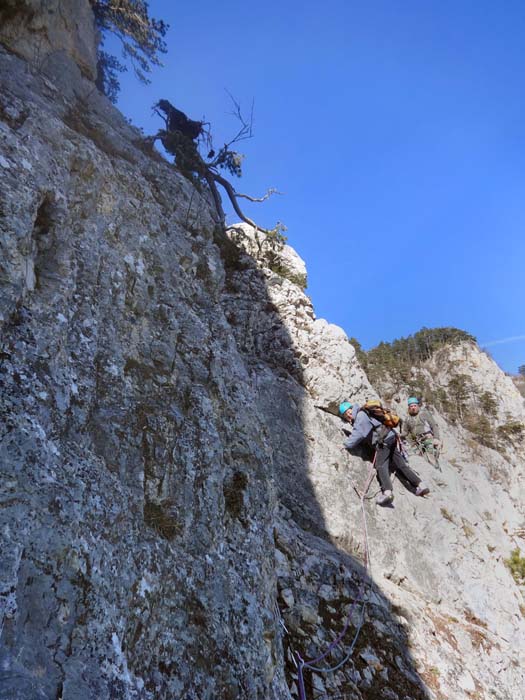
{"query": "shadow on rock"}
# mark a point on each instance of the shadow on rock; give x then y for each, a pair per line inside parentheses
(323, 584)
(155, 450)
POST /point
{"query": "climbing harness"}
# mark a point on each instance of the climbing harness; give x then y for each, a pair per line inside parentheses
(429, 452)
(361, 600)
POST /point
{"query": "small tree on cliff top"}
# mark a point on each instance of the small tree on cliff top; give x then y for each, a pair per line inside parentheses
(182, 138)
(142, 40)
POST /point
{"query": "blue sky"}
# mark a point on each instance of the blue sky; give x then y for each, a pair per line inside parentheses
(396, 131)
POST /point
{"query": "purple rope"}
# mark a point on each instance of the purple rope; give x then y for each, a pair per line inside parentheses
(336, 641)
(300, 664)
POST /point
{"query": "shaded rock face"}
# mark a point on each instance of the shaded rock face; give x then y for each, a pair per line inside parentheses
(137, 547)
(438, 563)
(177, 518)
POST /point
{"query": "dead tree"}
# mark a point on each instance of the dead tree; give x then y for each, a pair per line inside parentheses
(182, 137)
(176, 120)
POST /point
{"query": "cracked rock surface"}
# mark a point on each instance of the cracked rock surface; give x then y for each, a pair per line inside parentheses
(177, 517)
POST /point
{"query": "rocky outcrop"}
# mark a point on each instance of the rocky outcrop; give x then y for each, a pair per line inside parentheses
(519, 382)
(317, 352)
(483, 374)
(177, 517)
(134, 471)
(438, 563)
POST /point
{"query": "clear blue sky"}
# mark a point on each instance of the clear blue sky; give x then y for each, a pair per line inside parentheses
(396, 131)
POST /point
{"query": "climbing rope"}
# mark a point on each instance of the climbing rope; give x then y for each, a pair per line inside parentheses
(361, 599)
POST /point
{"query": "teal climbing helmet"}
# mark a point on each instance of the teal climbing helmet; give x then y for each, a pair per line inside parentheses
(343, 407)
(412, 400)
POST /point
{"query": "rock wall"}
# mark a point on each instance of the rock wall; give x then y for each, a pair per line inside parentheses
(137, 501)
(485, 375)
(438, 563)
(177, 517)
(41, 30)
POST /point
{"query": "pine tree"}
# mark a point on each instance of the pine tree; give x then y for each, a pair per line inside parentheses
(142, 40)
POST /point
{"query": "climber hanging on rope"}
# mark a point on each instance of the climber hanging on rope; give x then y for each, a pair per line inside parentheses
(372, 427)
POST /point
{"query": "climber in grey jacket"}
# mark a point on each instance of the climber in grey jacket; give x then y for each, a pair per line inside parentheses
(420, 425)
(369, 431)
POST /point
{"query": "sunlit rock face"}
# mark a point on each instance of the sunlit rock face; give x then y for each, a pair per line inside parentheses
(438, 564)
(177, 517)
(484, 374)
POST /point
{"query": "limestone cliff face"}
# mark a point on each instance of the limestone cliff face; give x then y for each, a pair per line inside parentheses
(137, 499)
(438, 562)
(43, 30)
(483, 375)
(519, 383)
(177, 518)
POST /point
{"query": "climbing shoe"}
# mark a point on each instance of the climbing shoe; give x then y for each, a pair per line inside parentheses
(422, 490)
(385, 498)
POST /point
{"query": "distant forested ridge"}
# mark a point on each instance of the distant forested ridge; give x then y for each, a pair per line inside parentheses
(402, 367)
(401, 355)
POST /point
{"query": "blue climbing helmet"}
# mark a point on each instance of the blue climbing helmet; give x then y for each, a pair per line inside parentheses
(413, 400)
(343, 407)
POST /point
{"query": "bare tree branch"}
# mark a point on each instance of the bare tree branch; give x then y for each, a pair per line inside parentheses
(233, 199)
(164, 118)
(246, 130)
(271, 191)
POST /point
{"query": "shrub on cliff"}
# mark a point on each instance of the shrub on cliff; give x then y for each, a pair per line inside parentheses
(516, 566)
(183, 138)
(512, 431)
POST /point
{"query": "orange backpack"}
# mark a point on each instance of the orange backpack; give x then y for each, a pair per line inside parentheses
(374, 409)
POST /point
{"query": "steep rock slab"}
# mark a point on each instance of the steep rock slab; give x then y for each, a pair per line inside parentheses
(438, 563)
(137, 547)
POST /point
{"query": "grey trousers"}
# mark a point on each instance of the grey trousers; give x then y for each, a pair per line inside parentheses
(390, 459)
